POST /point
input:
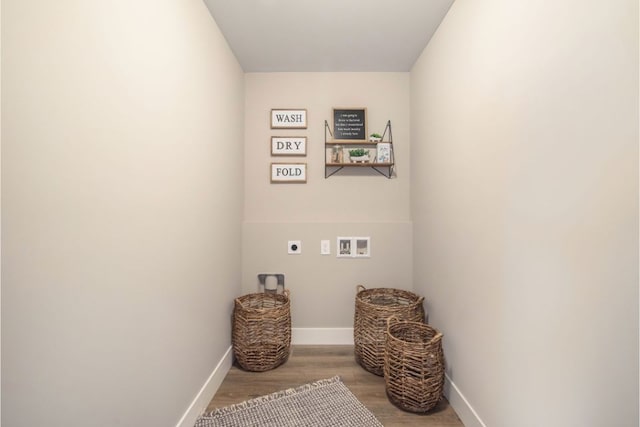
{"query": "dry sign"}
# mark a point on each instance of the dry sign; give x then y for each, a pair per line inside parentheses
(288, 172)
(288, 145)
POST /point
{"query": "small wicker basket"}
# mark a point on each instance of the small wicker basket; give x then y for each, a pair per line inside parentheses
(261, 333)
(373, 308)
(413, 365)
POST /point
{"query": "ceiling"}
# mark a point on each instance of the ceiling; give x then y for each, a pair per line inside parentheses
(327, 35)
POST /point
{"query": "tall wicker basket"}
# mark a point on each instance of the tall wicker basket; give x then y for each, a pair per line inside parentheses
(413, 365)
(373, 308)
(261, 334)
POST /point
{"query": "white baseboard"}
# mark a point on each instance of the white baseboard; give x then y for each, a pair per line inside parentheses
(299, 336)
(322, 336)
(315, 336)
(460, 404)
(207, 391)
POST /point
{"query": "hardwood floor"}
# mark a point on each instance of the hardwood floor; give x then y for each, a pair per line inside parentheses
(310, 363)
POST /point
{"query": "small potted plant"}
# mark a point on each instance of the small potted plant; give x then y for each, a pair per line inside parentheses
(375, 137)
(359, 155)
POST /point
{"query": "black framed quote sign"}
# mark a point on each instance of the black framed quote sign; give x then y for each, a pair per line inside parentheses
(350, 124)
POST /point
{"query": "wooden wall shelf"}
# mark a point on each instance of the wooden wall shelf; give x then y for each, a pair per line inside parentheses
(331, 166)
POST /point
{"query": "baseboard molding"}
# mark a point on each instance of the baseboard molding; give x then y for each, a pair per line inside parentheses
(207, 391)
(299, 336)
(322, 336)
(460, 404)
(316, 336)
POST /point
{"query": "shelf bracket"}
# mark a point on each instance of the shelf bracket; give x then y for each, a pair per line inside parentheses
(386, 175)
(339, 168)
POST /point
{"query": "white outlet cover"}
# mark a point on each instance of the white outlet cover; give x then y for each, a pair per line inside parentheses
(294, 247)
(325, 247)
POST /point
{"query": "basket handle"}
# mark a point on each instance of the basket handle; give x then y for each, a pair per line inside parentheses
(390, 318)
(436, 338)
(286, 293)
(359, 289)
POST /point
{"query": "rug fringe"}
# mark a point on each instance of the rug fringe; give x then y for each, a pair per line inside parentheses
(269, 397)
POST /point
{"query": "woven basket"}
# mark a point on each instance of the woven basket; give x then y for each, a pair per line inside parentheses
(373, 308)
(413, 365)
(261, 334)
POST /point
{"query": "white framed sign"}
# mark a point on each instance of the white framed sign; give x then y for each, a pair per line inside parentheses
(288, 145)
(288, 118)
(288, 173)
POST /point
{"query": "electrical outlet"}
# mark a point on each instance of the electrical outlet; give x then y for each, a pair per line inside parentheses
(294, 247)
(325, 247)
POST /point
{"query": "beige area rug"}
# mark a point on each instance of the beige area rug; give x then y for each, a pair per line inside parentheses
(323, 403)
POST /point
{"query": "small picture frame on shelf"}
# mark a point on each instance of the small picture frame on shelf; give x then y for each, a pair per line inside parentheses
(383, 152)
(288, 145)
(288, 118)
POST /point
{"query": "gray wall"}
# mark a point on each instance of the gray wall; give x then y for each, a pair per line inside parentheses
(120, 231)
(524, 190)
(350, 203)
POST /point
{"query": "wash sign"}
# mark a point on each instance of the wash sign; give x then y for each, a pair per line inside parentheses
(288, 119)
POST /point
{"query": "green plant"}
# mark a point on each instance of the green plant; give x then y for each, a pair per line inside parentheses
(358, 152)
(375, 135)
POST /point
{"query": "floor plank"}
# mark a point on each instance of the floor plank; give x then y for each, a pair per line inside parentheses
(311, 363)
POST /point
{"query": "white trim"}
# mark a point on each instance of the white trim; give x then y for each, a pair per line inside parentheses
(322, 336)
(207, 391)
(460, 404)
(316, 336)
